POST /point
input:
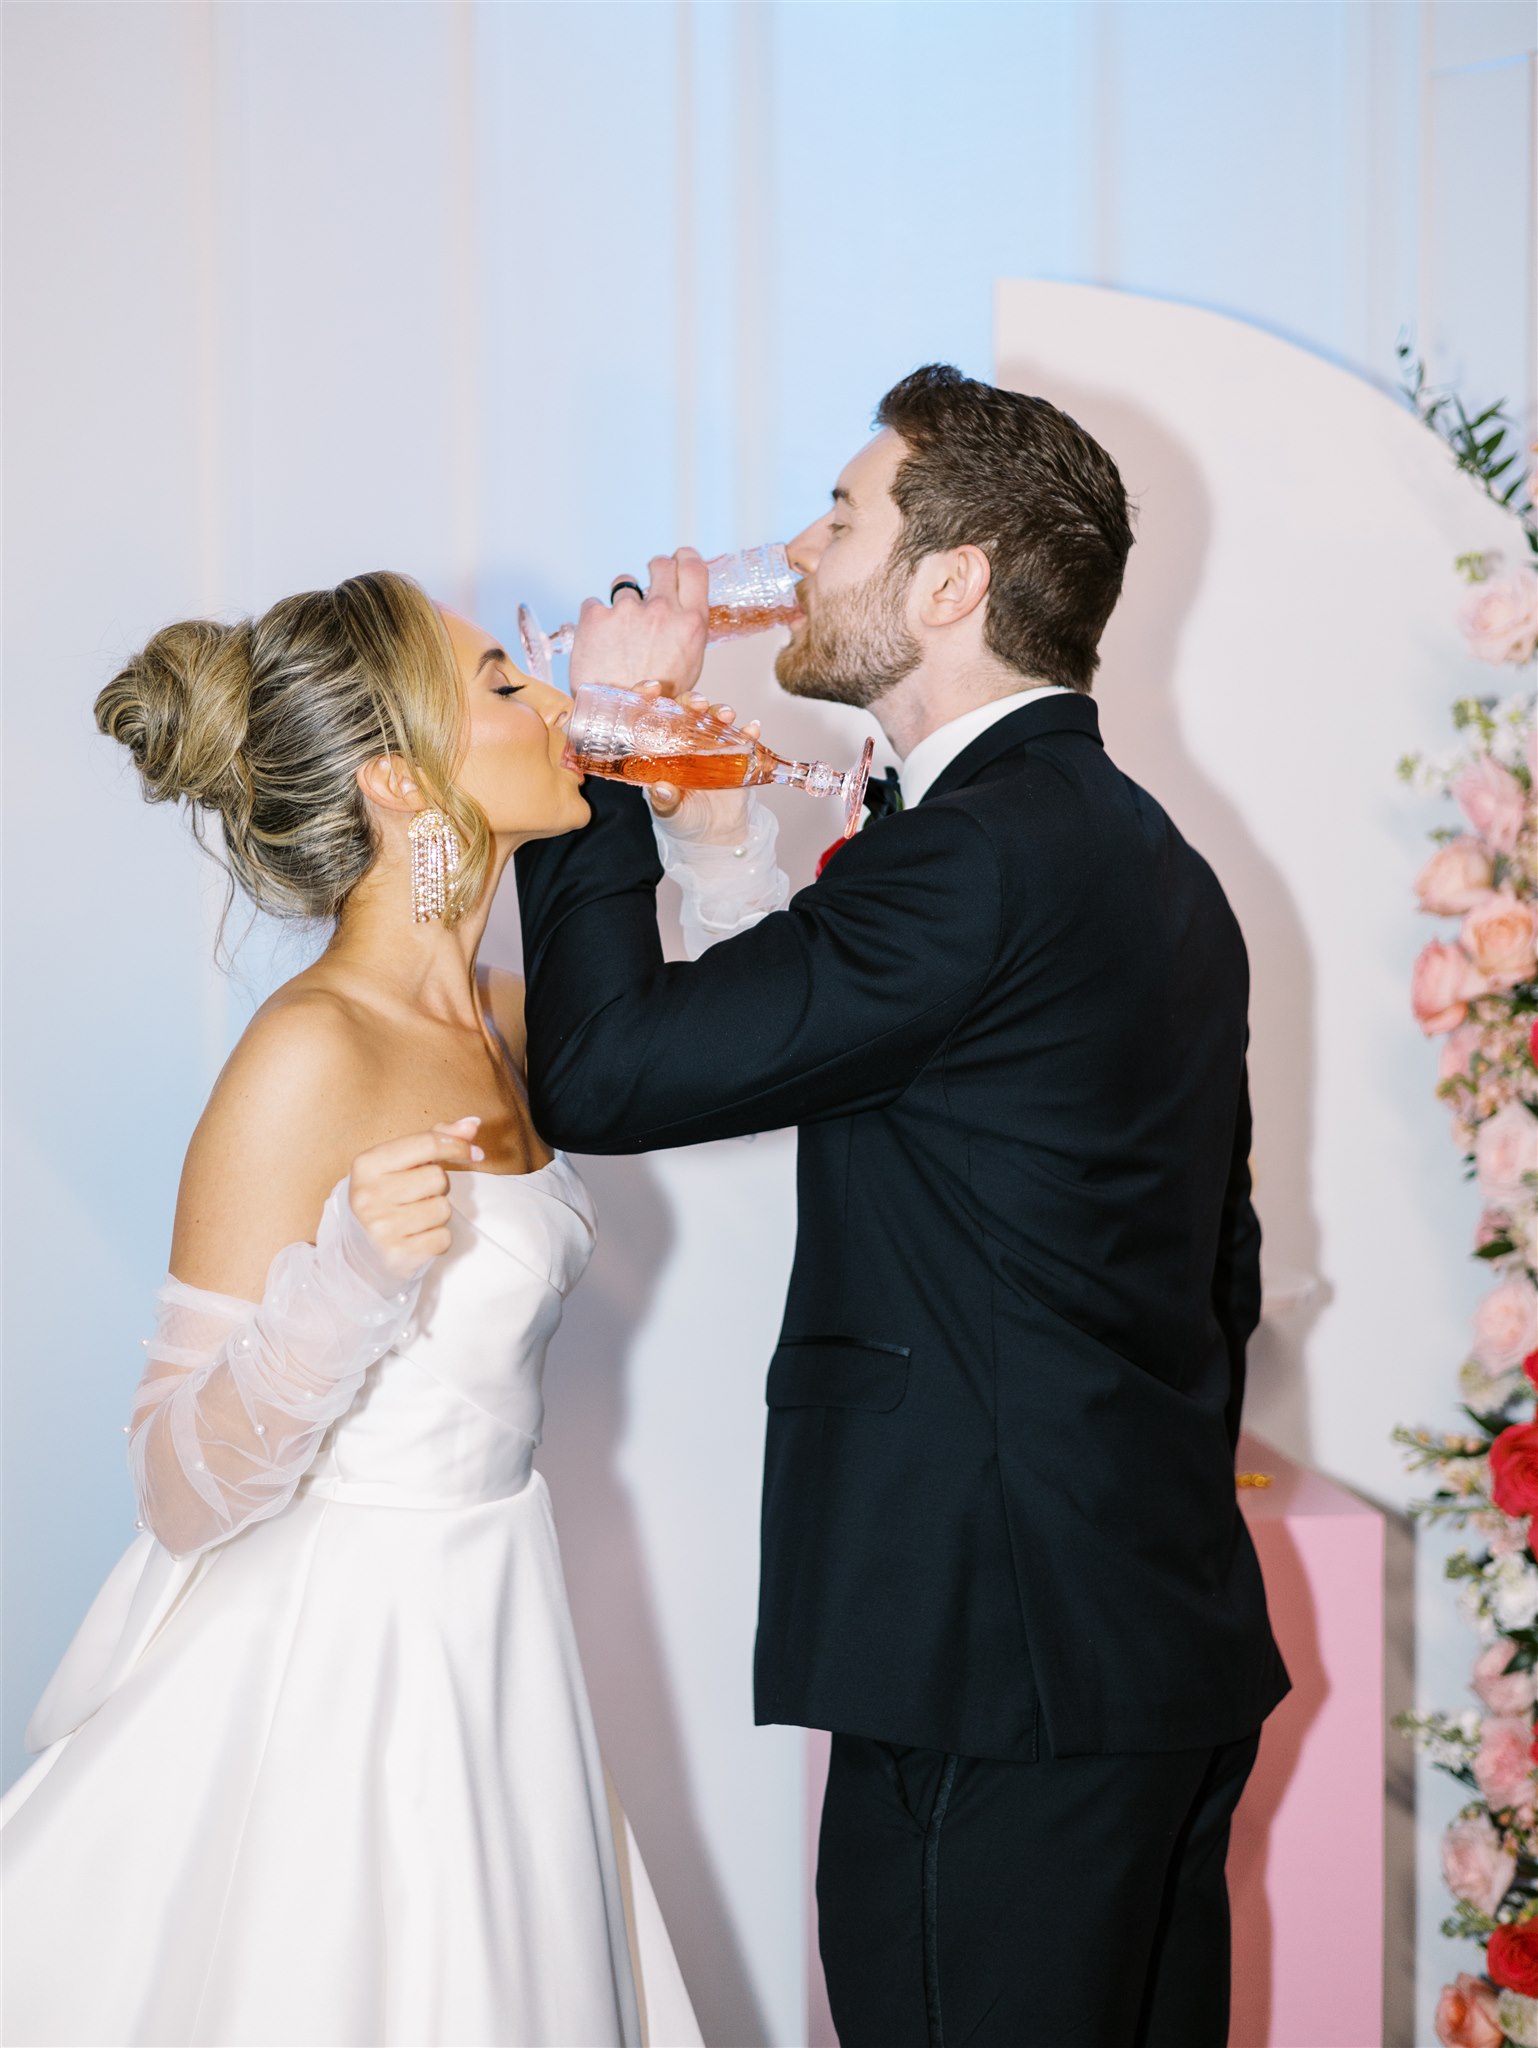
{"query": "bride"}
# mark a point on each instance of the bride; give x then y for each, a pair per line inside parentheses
(319, 1766)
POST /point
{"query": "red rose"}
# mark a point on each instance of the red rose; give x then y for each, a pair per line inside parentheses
(1532, 1041)
(1530, 1367)
(1514, 1469)
(1512, 1958)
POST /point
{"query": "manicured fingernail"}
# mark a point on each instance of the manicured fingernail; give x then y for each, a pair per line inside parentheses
(476, 1152)
(473, 1121)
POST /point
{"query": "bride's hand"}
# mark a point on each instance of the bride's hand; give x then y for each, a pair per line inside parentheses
(400, 1193)
(708, 817)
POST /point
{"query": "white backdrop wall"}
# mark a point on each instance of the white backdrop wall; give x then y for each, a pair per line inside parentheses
(511, 296)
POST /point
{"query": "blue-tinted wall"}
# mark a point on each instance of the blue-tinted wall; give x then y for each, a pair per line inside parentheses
(514, 295)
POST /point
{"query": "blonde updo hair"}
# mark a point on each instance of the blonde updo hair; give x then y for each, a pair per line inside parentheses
(265, 725)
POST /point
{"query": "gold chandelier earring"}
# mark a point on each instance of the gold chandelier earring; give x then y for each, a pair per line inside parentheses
(434, 859)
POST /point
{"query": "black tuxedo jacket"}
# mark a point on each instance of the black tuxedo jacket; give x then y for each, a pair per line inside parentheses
(999, 1507)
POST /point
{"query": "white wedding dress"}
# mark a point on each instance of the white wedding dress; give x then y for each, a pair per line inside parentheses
(334, 1779)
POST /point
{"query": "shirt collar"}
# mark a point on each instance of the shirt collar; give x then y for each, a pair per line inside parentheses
(935, 753)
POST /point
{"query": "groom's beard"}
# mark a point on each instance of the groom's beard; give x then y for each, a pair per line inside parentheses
(855, 644)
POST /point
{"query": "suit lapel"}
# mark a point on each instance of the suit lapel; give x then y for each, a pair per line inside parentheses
(1032, 721)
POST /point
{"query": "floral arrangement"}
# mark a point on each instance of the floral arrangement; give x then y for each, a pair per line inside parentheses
(1475, 988)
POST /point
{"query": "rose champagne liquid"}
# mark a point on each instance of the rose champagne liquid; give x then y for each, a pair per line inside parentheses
(733, 621)
(684, 771)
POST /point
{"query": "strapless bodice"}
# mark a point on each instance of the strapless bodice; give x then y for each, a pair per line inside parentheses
(451, 1416)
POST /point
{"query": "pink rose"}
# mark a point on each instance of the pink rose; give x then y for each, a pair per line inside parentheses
(1497, 935)
(1506, 1325)
(1455, 878)
(1466, 2014)
(1505, 1148)
(1476, 1864)
(1503, 1765)
(1503, 1691)
(1442, 981)
(1500, 617)
(1493, 801)
(1458, 1050)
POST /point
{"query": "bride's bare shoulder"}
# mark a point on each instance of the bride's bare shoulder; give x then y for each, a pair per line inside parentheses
(303, 1045)
(278, 1133)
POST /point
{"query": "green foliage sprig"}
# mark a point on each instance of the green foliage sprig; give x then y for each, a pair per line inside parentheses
(1486, 446)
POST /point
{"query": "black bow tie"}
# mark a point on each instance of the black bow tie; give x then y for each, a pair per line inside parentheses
(884, 797)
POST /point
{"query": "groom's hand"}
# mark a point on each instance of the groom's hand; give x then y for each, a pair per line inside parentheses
(659, 637)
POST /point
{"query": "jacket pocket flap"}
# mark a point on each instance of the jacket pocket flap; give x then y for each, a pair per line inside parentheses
(838, 1372)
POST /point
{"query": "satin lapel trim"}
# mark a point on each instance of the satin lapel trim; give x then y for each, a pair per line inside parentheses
(1030, 722)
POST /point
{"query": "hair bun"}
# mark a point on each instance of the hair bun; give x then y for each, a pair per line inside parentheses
(181, 707)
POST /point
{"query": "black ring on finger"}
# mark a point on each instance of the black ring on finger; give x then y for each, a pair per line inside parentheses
(624, 583)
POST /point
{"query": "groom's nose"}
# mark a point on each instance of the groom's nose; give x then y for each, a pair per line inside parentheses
(805, 551)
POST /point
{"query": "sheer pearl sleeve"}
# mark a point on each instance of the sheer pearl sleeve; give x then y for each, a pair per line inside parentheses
(237, 1395)
(725, 888)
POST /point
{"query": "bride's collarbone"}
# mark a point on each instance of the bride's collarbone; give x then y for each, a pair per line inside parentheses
(413, 1094)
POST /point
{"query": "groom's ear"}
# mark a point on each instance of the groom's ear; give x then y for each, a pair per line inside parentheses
(951, 585)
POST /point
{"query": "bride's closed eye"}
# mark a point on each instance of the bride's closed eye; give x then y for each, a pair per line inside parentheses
(507, 690)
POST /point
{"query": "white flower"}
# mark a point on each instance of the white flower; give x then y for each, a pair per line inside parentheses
(1514, 1598)
(1470, 1721)
(1513, 718)
(1467, 1475)
(1471, 1604)
(1487, 1392)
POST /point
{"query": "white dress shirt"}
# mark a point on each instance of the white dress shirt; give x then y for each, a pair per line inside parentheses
(935, 753)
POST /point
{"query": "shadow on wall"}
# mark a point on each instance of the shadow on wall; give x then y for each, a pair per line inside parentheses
(1140, 698)
(1399, 1845)
(600, 1546)
(1297, 1633)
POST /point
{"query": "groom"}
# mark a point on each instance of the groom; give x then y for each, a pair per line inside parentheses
(1003, 1559)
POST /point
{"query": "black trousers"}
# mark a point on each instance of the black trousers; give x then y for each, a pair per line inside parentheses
(1076, 1902)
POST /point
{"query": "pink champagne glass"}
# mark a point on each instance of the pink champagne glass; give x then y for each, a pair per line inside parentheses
(625, 737)
(749, 592)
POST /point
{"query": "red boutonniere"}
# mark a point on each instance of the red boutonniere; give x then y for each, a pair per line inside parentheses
(883, 797)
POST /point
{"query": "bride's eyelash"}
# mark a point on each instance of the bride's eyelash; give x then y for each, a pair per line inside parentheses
(507, 690)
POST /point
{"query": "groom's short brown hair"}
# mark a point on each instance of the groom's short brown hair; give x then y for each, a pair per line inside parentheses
(1022, 481)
